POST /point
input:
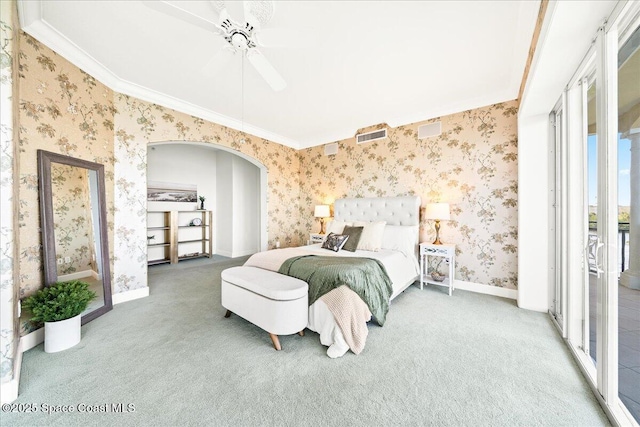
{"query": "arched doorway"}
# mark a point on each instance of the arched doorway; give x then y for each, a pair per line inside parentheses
(234, 185)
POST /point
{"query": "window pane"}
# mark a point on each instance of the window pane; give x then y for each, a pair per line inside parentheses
(592, 194)
(629, 224)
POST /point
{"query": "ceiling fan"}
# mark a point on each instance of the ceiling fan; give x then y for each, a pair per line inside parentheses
(240, 38)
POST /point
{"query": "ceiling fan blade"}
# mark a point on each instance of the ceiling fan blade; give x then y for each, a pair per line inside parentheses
(218, 62)
(258, 12)
(266, 70)
(182, 14)
(218, 5)
(223, 14)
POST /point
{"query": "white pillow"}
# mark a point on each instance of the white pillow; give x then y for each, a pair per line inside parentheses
(337, 227)
(371, 238)
(402, 238)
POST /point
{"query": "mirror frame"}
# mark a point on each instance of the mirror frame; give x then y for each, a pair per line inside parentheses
(45, 158)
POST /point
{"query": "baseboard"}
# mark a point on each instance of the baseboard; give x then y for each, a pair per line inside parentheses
(244, 253)
(236, 254)
(77, 275)
(222, 252)
(9, 390)
(486, 289)
(130, 295)
(27, 342)
(538, 308)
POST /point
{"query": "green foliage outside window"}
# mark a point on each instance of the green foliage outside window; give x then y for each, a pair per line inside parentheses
(623, 220)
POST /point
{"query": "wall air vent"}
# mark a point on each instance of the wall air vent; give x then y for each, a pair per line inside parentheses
(331, 149)
(371, 136)
(432, 129)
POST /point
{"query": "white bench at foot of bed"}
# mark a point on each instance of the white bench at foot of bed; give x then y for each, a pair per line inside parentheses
(272, 301)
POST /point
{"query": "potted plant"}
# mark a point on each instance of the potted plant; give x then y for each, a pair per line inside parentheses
(60, 307)
(202, 199)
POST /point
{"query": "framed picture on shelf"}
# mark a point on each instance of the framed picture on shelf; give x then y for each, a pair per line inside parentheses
(171, 192)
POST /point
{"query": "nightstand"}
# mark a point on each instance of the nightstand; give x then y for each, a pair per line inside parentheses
(316, 238)
(447, 254)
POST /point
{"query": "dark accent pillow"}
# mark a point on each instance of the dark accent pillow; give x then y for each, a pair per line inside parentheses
(354, 234)
(335, 242)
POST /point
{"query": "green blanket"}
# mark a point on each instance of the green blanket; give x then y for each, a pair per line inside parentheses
(366, 277)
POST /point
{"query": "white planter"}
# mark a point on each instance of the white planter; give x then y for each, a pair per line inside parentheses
(62, 335)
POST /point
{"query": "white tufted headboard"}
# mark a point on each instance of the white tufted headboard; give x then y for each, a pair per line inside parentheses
(404, 210)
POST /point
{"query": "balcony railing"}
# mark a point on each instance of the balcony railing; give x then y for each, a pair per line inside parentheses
(623, 232)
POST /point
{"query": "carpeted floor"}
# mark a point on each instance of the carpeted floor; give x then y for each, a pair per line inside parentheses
(465, 360)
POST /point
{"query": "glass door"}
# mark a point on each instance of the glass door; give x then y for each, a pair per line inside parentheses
(628, 223)
(594, 245)
(601, 301)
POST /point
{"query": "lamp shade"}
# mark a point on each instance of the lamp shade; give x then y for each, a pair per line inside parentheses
(437, 211)
(322, 211)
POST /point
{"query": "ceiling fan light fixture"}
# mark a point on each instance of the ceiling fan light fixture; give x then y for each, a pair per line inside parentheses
(240, 38)
(239, 41)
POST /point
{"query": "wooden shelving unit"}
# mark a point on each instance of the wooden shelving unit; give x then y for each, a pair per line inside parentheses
(173, 236)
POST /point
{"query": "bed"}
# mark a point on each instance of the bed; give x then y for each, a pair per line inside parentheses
(397, 252)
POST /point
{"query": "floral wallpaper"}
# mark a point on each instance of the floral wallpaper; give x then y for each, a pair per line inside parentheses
(130, 170)
(64, 110)
(59, 108)
(472, 165)
(139, 123)
(72, 218)
(8, 246)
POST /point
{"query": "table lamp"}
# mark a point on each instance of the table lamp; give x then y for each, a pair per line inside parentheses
(438, 212)
(322, 212)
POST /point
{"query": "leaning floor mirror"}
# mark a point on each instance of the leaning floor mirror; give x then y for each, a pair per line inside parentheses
(74, 226)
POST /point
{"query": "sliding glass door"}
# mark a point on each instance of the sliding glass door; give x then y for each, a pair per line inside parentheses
(597, 287)
(628, 222)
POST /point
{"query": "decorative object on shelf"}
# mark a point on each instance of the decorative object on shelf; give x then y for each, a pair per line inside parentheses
(438, 212)
(322, 212)
(202, 199)
(438, 277)
(436, 273)
(150, 238)
(196, 222)
(171, 192)
(60, 307)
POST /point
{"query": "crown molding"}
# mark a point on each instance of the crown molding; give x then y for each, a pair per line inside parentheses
(33, 23)
(408, 119)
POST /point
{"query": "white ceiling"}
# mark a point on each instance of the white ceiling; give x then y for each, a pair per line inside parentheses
(351, 64)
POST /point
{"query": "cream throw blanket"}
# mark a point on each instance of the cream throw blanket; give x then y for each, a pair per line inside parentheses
(351, 314)
(349, 311)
